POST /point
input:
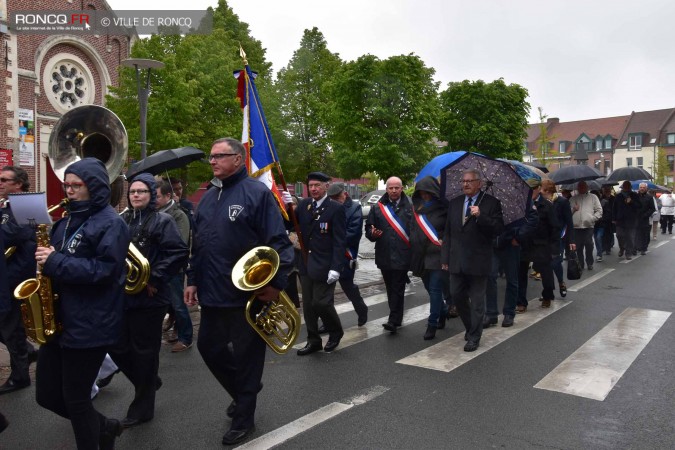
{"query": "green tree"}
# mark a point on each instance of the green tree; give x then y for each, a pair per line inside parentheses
(662, 168)
(305, 102)
(544, 141)
(490, 118)
(193, 99)
(384, 116)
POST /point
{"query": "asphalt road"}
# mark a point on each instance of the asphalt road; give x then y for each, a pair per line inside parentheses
(360, 397)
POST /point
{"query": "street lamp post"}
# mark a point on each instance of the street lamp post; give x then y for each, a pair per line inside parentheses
(143, 93)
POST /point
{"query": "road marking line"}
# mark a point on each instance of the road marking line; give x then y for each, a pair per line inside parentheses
(594, 369)
(628, 261)
(449, 354)
(579, 286)
(370, 301)
(373, 328)
(304, 423)
(659, 244)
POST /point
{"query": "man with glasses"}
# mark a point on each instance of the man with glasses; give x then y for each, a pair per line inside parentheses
(474, 220)
(20, 267)
(237, 214)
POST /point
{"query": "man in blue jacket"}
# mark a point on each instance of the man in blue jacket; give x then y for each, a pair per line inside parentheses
(20, 267)
(354, 216)
(237, 214)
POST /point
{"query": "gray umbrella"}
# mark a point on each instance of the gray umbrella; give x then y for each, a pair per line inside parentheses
(629, 173)
(574, 174)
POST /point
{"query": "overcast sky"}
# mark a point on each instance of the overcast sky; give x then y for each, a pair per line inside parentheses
(579, 59)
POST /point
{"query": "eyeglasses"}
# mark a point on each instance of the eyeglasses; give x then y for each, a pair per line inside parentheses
(7, 180)
(467, 181)
(138, 191)
(219, 156)
(73, 186)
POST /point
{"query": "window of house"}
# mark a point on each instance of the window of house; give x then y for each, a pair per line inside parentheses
(671, 162)
(562, 146)
(639, 161)
(670, 138)
(596, 164)
(629, 162)
(598, 143)
(608, 143)
(635, 142)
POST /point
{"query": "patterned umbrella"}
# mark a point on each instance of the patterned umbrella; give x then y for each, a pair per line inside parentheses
(499, 180)
(532, 175)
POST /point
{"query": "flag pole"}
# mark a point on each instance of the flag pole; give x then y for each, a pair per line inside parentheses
(277, 165)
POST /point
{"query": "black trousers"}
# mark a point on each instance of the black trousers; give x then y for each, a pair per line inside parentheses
(468, 293)
(643, 235)
(235, 355)
(667, 224)
(317, 301)
(626, 238)
(394, 282)
(63, 385)
(353, 293)
(137, 356)
(608, 238)
(13, 335)
(545, 268)
(583, 238)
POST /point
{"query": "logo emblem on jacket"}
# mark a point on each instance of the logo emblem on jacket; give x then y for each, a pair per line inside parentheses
(4, 219)
(74, 243)
(235, 210)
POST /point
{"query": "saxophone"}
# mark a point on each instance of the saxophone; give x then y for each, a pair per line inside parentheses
(38, 300)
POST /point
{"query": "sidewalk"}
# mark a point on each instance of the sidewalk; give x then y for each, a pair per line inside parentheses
(368, 277)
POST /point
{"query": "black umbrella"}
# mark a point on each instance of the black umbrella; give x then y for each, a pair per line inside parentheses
(593, 185)
(499, 180)
(629, 173)
(537, 165)
(165, 160)
(574, 174)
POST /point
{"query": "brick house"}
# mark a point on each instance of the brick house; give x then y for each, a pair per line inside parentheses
(46, 76)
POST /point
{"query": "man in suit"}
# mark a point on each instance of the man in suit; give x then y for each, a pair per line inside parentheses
(388, 225)
(323, 228)
(474, 219)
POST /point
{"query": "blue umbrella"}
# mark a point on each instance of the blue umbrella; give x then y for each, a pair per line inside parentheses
(434, 167)
(636, 184)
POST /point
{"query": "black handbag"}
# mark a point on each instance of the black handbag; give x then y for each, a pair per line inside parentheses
(573, 267)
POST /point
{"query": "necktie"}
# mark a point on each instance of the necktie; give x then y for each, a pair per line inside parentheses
(467, 213)
(313, 205)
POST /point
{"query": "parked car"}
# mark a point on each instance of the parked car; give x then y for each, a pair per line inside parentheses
(369, 200)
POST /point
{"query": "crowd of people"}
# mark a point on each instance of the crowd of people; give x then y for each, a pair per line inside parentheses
(459, 249)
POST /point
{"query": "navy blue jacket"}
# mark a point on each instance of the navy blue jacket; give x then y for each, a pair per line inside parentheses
(391, 252)
(323, 236)
(563, 212)
(521, 229)
(21, 266)
(234, 216)
(156, 236)
(5, 296)
(354, 218)
(88, 268)
(425, 254)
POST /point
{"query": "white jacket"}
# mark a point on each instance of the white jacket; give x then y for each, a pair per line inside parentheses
(588, 212)
(667, 205)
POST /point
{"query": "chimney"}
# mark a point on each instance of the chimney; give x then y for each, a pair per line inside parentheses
(552, 121)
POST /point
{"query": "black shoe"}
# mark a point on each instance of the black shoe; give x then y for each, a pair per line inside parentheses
(230, 409)
(620, 253)
(236, 436)
(430, 333)
(489, 321)
(111, 430)
(333, 342)
(441, 321)
(452, 312)
(32, 355)
(129, 422)
(103, 382)
(507, 321)
(471, 346)
(363, 318)
(11, 386)
(309, 348)
(322, 329)
(590, 267)
(563, 290)
(389, 327)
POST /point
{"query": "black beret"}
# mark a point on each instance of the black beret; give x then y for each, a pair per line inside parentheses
(318, 176)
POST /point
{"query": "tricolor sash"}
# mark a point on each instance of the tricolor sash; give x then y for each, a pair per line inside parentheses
(428, 228)
(350, 254)
(394, 222)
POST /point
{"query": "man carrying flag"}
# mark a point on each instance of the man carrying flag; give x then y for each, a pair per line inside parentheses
(388, 226)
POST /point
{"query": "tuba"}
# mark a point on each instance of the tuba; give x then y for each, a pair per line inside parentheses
(94, 131)
(277, 322)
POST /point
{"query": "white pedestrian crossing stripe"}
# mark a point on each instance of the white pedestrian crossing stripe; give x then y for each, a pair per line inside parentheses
(594, 369)
(578, 286)
(449, 354)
